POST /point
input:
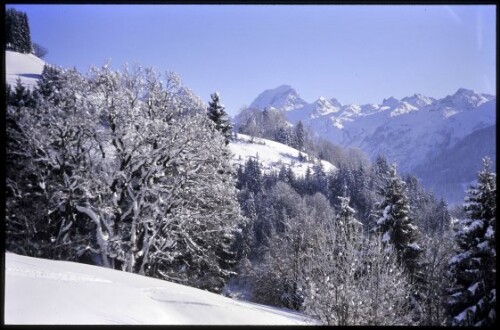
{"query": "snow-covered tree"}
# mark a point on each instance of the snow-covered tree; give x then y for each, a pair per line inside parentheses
(472, 298)
(442, 217)
(380, 172)
(395, 225)
(219, 116)
(284, 135)
(438, 250)
(397, 228)
(49, 85)
(428, 214)
(349, 280)
(348, 228)
(252, 178)
(273, 272)
(319, 179)
(133, 177)
(54, 156)
(20, 96)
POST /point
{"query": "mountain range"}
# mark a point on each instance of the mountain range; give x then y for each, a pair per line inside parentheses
(441, 141)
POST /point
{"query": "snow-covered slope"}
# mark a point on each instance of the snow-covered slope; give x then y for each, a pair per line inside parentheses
(410, 131)
(28, 67)
(271, 155)
(39, 291)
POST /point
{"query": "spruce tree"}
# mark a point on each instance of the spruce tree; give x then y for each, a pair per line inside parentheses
(442, 218)
(380, 172)
(50, 83)
(17, 31)
(398, 229)
(20, 96)
(394, 223)
(219, 116)
(27, 47)
(299, 135)
(472, 297)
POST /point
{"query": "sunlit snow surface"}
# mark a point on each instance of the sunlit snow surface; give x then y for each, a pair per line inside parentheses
(28, 67)
(271, 155)
(40, 291)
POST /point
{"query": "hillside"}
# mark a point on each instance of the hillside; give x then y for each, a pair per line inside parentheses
(28, 67)
(39, 291)
(271, 155)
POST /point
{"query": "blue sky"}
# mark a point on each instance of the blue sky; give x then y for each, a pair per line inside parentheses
(355, 53)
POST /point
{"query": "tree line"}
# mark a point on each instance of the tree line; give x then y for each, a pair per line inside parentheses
(18, 36)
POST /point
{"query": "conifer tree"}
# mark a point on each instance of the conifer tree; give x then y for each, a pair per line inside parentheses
(299, 135)
(380, 172)
(20, 96)
(26, 36)
(17, 31)
(218, 115)
(442, 218)
(472, 297)
(398, 229)
(50, 83)
(394, 223)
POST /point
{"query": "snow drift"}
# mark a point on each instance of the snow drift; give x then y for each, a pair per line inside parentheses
(39, 291)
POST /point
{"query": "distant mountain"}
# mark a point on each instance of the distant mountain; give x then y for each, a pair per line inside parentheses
(451, 172)
(411, 131)
(283, 97)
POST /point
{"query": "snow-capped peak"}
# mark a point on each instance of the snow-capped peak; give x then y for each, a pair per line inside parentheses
(391, 102)
(335, 102)
(322, 106)
(398, 107)
(418, 100)
(464, 92)
(463, 99)
(283, 97)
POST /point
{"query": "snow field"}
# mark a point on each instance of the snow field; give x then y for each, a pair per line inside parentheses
(271, 154)
(28, 67)
(39, 291)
